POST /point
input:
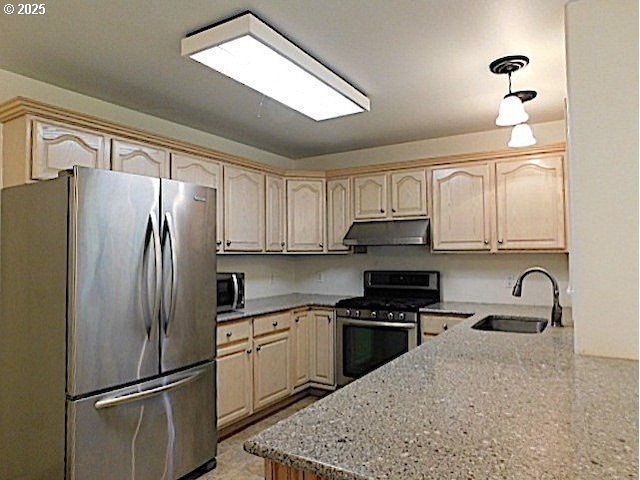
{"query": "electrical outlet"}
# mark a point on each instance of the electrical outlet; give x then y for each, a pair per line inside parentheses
(509, 281)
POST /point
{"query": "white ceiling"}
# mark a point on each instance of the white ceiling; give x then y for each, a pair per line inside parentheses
(423, 64)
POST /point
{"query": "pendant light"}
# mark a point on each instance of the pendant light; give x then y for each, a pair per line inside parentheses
(511, 111)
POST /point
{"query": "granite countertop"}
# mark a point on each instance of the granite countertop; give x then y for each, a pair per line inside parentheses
(472, 404)
(262, 306)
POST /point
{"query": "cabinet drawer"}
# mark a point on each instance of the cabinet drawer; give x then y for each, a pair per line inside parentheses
(271, 323)
(232, 332)
(436, 324)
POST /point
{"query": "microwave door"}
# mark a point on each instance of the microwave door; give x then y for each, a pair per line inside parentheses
(188, 309)
(113, 279)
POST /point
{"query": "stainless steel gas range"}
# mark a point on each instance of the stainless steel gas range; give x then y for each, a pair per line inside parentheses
(384, 323)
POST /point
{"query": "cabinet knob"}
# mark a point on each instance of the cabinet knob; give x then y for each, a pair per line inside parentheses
(382, 210)
(321, 245)
(500, 242)
(282, 244)
(229, 334)
(393, 210)
(445, 326)
(249, 351)
(258, 348)
(228, 242)
(329, 319)
(275, 324)
(219, 242)
(297, 320)
(486, 242)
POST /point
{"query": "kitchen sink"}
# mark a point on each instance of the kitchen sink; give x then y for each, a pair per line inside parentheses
(506, 323)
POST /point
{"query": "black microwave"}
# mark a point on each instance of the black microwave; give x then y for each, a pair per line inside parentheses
(230, 291)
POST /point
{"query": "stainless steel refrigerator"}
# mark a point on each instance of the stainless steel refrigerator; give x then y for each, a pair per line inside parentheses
(107, 333)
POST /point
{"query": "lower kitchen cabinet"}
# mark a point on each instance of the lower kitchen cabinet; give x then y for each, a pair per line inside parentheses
(322, 347)
(435, 324)
(234, 372)
(271, 369)
(301, 337)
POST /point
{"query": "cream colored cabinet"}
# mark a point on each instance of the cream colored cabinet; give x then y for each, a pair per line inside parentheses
(322, 346)
(203, 172)
(272, 367)
(339, 217)
(56, 147)
(398, 194)
(301, 338)
(275, 214)
(511, 204)
(234, 372)
(244, 212)
(434, 324)
(305, 215)
(461, 215)
(530, 204)
(139, 158)
(370, 197)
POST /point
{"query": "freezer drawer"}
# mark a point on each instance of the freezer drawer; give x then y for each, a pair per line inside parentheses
(159, 429)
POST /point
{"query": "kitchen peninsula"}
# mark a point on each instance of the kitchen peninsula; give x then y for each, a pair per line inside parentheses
(470, 404)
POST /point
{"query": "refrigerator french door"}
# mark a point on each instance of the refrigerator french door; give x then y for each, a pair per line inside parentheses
(137, 318)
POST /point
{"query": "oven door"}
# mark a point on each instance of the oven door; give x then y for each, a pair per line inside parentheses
(364, 345)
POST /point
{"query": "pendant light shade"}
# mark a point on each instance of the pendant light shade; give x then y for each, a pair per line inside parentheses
(511, 112)
(522, 136)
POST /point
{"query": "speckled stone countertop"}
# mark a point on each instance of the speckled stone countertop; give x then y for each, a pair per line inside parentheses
(262, 306)
(472, 404)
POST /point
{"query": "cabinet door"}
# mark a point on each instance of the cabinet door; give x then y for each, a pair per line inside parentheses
(370, 197)
(140, 159)
(462, 207)
(56, 148)
(408, 193)
(275, 214)
(338, 213)
(235, 385)
(530, 203)
(203, 172)
(243, 210)
(301, 338)
(322, 351)
(305, 215)
(271, 368)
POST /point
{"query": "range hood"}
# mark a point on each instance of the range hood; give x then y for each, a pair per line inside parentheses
(390, 232)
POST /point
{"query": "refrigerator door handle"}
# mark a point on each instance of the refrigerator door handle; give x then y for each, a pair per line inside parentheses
(149, 236)
(173, 247)
(155, 229)
(152, 392)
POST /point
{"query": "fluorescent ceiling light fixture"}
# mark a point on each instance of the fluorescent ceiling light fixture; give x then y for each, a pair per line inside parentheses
(249, 51)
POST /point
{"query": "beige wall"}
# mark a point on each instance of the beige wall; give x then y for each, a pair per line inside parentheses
(13, 85)
(602, 76)
(494, 139)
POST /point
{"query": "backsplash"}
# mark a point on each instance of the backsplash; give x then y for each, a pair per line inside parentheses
(464, 277)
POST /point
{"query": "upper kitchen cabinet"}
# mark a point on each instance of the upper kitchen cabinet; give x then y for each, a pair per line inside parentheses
(142, 159)
(202, 172)
(398, 194)
(504, 205)
(461, 212)
(275, 214)
(530, 204)
(244, 210)
(305, 215)
(56, 147)
(339, 216)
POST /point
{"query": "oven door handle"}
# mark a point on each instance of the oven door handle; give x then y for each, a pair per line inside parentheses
(367, 323)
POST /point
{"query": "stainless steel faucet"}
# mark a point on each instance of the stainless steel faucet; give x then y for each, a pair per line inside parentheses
(556, 310)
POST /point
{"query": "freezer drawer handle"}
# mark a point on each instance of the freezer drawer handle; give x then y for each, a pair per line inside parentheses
(137, 396)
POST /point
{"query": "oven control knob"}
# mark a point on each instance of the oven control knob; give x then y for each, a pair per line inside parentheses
(374, 314)
(356, 313)
(348, 312)
(401, 316)
(390, 315)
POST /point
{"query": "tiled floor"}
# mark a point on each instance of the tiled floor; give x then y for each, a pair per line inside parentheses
(236, 464)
